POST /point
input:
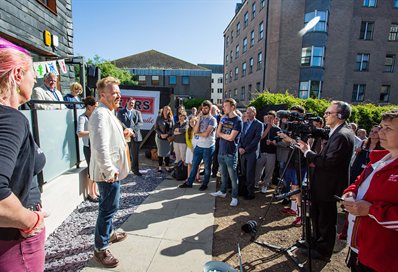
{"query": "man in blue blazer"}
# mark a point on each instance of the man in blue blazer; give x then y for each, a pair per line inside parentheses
(249, 149)
(132, 119)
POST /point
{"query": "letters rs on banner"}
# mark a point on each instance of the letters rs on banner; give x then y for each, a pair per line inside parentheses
(147, 102)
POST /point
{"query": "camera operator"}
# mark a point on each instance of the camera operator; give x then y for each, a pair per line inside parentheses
(331, 175)
(266, 161)
(292, 177)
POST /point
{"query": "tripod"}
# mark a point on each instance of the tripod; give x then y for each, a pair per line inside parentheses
(305, 214)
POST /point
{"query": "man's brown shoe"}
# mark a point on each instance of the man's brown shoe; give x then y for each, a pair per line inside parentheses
(117, 237)
(105, 258)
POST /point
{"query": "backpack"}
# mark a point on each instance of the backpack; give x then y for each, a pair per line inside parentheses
(180, 171)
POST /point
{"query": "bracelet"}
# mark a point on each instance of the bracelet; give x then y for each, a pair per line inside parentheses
(35, 225)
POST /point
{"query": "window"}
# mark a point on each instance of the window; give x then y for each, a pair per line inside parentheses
(389, 63)
(212, 80)
(232, 36)
(243, 69)
(185, 80)
(155, 80)
(172, 80)
(362, 62)
(262, 3)
(237, 51)
(242, 93)
(395, 4)
(246, 19)
(236, 73)
(252, 38)
(258, 86)
(235, 92)
(230, 76)
(253, 10)
(227, 41)
(249, 92)
(49, 4)
(244, 45)
(312, 56)
(237, 29)
(259, 60)
(212, 90)
(230, 93)
(384, 93)
(226, 59)
(219, 80)
(219, 90)
(369, 3)
(321, 26)
(366, 30)
(226, 76)
(310, 89)
(358, 92)
(141, 80)
(231, 56)
(393, 35)
(261, 31)
(251, 63)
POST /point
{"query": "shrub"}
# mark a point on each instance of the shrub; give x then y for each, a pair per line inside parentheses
(365, 115)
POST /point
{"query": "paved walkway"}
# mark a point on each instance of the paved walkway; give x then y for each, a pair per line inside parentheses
(172, 230)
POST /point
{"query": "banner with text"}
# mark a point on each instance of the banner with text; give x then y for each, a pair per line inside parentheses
(147, 102)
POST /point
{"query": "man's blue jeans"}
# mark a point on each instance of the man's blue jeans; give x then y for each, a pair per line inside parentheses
(200, 153)
(228, 164)
(108, 206)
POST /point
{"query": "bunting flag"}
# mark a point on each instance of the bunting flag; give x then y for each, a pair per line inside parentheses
(40, 69)
(52, 67)
(62, 66)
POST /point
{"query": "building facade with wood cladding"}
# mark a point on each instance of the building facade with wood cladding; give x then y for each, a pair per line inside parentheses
(45, 29)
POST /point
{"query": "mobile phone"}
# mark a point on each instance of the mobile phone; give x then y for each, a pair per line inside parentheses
(338, 198)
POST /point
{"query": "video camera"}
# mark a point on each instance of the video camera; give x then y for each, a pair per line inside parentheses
(300, 125)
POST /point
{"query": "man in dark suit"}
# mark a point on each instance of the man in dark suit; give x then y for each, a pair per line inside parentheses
(249, 149)
(330, 177)
(132, 119)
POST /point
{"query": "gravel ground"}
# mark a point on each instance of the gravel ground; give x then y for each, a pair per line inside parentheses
(71, 245)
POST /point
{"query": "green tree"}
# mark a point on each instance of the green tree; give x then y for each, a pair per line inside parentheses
(109, 69)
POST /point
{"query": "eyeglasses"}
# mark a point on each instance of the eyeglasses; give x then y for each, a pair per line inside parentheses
(327, 113)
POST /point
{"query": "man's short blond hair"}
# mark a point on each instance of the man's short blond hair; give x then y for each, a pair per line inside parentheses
(103, 83)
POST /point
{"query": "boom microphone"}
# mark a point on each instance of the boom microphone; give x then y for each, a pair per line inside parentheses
(285, 195)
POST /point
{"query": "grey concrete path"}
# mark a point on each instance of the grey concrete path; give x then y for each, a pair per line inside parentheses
(171, 231)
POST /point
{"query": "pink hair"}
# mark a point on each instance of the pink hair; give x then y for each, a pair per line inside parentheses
(12, 57)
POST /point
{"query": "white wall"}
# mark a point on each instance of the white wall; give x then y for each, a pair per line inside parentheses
(215, 95)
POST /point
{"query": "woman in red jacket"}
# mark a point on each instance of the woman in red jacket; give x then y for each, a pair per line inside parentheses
(372, 202)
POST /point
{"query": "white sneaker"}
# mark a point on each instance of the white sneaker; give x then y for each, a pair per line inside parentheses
(219, 193)
(234, 202)
(264, 189)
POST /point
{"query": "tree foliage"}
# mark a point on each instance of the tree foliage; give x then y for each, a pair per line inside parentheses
(194, 102)
(365, 115)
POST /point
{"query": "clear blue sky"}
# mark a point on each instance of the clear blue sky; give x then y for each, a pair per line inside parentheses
(191, 30)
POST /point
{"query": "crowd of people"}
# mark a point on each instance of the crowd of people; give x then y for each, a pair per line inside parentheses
(247, 153)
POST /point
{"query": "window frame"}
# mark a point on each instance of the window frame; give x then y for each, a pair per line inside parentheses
(322, 25)
(367, 3)
(311, 57)
(392, 66)
(261, 31)
(175, 80)
(356, 92)
(237, 51)
(365, 31)
(381, 94)
(246, 19)
(253, 10)
(243, 93)
(251, 64)
(51, 5)
(244, 68)
(309, 91)
(393, 32)
(236, 73)
(252, 38)
(237, 29)
(185, 80)
(244, 49)
(362, 65)
(259, 60)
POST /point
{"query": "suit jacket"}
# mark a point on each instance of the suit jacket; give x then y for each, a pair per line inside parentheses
(43, 93)
(134, 122)
(108, 146)
(250, 140)
(331, 173)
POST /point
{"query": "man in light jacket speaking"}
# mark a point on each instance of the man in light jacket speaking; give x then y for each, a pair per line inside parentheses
(109, 165)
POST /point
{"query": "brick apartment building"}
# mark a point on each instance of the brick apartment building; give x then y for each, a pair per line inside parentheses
(154, 68)
(217, 78)
(44, 28)
(350, 54)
